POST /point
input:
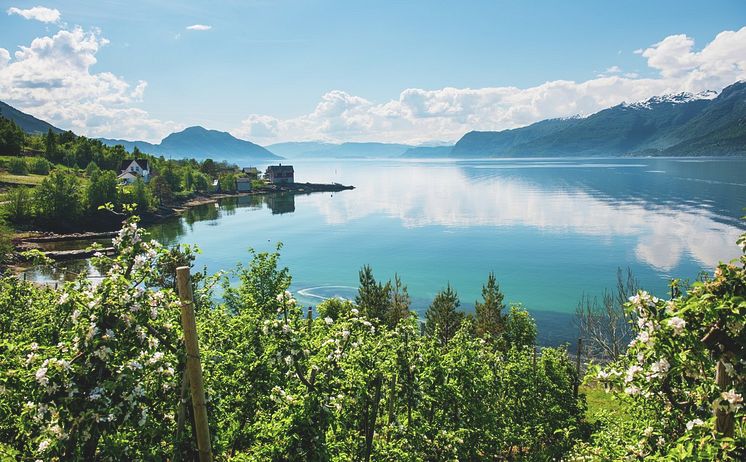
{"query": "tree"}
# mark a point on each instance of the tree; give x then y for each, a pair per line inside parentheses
(18, 206)
(50, 147)
(188, 179)
(11, 137)
(398, 307)
(489, 316)
(520, 328)
(161, 189)
(604, 324)
(372, 297)
(208, 167)
(102, 189)
(58, 198)
(201, 182)
(442, 318)
(142, 196)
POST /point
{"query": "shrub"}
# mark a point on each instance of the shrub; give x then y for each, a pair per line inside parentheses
(40, 166)
(18, 166)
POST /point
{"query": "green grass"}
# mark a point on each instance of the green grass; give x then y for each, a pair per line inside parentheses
(28, 180)
(599, 402)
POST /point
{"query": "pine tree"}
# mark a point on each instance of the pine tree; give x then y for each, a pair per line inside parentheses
(372, 297)
(490, 320)
(442, 319)
(398, 308)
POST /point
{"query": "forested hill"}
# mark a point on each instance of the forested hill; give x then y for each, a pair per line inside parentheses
(671, 125)
(26, 122)
(201, 143)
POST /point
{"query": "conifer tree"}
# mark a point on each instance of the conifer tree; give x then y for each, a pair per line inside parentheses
(490, 320)
(372, 297)
(442, 318)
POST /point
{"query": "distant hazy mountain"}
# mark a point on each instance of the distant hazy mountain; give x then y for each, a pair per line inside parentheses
(343, 150)
(671, 125)
(425, 152)
(27, 122)
(201, 143)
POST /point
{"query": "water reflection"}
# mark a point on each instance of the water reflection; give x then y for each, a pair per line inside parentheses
(668, 216)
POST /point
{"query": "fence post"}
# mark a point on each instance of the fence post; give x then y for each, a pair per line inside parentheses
(310, 318)
(577, 368)
(724, 420)
(193, 366)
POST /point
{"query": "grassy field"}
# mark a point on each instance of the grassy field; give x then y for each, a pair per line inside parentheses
(601, 402)
(28, 180)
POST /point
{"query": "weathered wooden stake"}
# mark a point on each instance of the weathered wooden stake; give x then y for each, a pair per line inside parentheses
(193, 366)
(577, 368)
(310, 318)
(724, 420)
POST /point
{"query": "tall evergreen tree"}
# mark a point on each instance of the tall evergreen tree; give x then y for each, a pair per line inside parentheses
(489, 313)
(50, 147)
(398, 308)
(442, 318)
(372, 297)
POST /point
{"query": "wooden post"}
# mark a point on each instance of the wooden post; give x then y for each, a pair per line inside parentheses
(577, 368)
(723, 420)
(193, 366)
(310, 318)
(181, 416)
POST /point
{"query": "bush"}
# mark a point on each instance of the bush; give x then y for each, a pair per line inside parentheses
(40, 166)
(18, 206)
(18, 166)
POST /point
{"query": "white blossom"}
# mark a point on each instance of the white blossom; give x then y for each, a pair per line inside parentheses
(694, 423)
(328, 320)
(677, 324)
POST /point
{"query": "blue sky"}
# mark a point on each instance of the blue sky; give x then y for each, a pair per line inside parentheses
(336, 70)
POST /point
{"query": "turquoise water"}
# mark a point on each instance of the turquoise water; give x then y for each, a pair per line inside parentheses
(550, 229)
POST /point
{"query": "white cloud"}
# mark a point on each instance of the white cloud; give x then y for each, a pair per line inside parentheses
(38, 13)
(52, 79)
(4, 57)
(419, 115)
(199, 27)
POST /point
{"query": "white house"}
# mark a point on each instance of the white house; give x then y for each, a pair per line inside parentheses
(133, 169)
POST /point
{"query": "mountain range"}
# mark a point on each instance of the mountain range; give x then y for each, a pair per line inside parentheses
(684, 124)
(200, 143)
(672, 125)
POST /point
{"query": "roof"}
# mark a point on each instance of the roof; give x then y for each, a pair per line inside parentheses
(143, 163)
(243, 180)
(250, 170)
(128, 174)
(279, 168)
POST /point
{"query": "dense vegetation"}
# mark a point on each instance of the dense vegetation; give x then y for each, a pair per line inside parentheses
(93, 372)
(71, 177)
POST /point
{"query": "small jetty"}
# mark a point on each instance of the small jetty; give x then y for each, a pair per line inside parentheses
(61, 255)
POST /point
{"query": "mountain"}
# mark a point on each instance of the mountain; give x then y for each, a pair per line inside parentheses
(201, 143)
(425, 152)
(343, 150)
(673, 125)
(27, 122)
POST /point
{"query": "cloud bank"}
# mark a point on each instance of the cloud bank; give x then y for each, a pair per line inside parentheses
(419, 115)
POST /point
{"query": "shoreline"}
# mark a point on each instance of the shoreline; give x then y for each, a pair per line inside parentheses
(30, 239)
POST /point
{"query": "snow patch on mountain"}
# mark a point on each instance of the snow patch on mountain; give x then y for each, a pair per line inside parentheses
(676, 98)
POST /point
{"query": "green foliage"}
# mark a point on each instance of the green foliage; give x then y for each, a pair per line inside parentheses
(18, 166)
(102, 189)
(39, 166)
(488, 313)
(372, 297)
(18, 205)
(520, 328)
(11, 137)
(93, 372)
(442, 318)
(667, 378)
(59, 197)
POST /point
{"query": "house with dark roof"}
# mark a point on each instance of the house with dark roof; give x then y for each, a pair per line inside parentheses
(132, 169)
(251, 172)
(277, 174)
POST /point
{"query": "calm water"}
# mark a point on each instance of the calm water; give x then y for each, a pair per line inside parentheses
(551, 230)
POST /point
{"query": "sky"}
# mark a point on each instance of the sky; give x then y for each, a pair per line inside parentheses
(405, 71)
